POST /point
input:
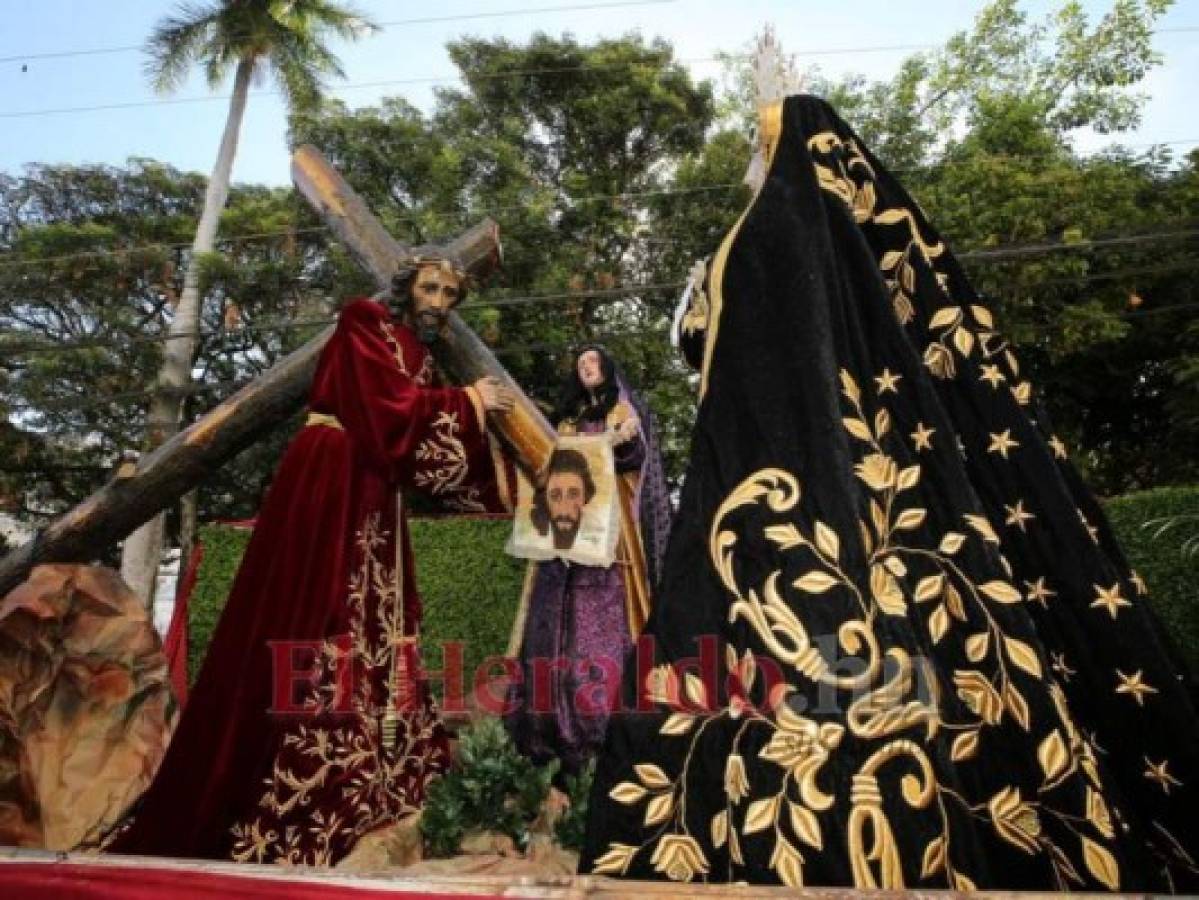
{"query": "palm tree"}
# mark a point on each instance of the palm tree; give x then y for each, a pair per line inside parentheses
(286, 38)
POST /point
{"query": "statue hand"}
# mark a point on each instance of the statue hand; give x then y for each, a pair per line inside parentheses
(495, 396)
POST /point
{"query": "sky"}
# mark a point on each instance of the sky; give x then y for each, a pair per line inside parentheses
(40, 98)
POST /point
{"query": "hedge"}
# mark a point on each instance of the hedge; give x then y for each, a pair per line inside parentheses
(1173, 579)
(471, 587)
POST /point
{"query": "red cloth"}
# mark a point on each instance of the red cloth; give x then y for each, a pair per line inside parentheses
(256, 773)
(174, 648)
(71, 881)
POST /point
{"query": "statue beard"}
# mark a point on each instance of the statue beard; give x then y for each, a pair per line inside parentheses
(429, 326)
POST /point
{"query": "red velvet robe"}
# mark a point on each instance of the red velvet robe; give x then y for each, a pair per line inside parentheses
(271, 766)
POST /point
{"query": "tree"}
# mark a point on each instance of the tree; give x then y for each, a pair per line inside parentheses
(288, 37)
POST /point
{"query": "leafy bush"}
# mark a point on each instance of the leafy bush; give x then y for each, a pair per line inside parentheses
(469, 586)
(569, 830)
(1172, 576)
(492, 787)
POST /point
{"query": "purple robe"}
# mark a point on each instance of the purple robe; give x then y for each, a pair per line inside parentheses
(575, 640)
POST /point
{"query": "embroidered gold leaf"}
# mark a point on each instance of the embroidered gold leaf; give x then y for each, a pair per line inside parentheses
(815, 582)
(908, 478)
(953, 603)
(1098, 815)
(895, 566)
(952, 542)
(983, 527)
(760, 815)
(786, 536)
(979, 695)
(946, 316)
(977, 645)
(627, 792)
(1023, 655)
(867, 540)
(929, 588)
(882, 424)
(1101, 864)
(857, 428)
(735, 847)
(651, 776)
(615, 861)
(963, 340)
(720, 828)
(877, 517)
(934, 857)
(787, 862)
(806, 825)
(659, 809)
(938, 624)
(910, 518)
(891, 216)
(886, 592)
(891, 259)
(983, 316)
(827, 541)
(965, 745)
(696, 692)
(1053, 756)
(730, 657)
(1001, 592)
(1016, 705)
(850, 387)
(679, 857)
(963, 884)
(678, 723)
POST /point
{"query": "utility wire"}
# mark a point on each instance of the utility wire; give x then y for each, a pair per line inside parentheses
(606, 294)
(482, 76)
(399, 23)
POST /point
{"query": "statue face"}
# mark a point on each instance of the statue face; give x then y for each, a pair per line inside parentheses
(566, 495)
(591, 369)
(435, 291)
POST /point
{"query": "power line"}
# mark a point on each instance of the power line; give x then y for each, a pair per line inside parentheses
(604, 294)
(399, 23)
(484, 76)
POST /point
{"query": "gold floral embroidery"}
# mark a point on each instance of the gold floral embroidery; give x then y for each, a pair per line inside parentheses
(906, 578)
(375, 779)
(443, 465)
(424, 375)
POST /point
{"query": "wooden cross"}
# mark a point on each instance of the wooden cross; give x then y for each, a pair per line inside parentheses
(182, 463)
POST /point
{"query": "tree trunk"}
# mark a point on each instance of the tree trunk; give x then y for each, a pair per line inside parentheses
(142, 552)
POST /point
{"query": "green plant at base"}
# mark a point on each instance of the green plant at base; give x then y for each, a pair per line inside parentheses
(491, 788)
(570, 829)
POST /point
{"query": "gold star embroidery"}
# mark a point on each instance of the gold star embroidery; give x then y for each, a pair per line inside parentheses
(887, 382)
(1138, 582)
(1017, 515)
(1059, 448)
(923, 436)
(1060, 666)
(1156, 772)
(1038, 592)
(1091, 529)
(1135, 686)
(992, 376)
(1109, 599)
(1003, 442)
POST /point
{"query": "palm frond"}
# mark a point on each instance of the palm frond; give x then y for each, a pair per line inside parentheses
(178, 42)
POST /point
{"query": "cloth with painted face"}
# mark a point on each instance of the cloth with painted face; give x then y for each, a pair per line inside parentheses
(895, 641)
(306, 727)
(578, 622)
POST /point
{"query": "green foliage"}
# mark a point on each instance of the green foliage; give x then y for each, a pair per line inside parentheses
(223, 550)
(469, 586)
(288, 37)
(1170, 574)
(491, 788)
(570, 830)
